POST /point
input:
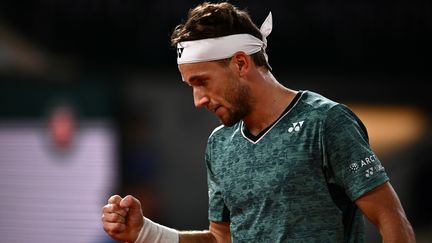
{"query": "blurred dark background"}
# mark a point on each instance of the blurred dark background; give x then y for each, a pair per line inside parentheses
(111, 60)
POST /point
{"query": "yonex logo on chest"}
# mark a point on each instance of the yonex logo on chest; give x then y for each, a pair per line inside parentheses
(296, 126)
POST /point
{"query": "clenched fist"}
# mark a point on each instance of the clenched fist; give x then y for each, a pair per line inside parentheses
(122, 218)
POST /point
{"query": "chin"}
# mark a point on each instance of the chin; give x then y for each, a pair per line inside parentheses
(230, 122)
(229, 119)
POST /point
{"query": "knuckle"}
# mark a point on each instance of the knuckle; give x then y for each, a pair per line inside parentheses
(123, 212)
(113, 228)
(110, 208)
(114, 198)
(117, 227)
(115, 217)
(106, 208)
(111, 231)
(106, 228)
(114, 207)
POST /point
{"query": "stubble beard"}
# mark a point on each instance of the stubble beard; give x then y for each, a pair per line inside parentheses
(240, 99)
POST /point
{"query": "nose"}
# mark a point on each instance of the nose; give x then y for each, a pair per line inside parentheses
(200, 98)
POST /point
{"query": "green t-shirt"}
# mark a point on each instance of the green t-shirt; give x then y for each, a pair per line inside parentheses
(298, 180)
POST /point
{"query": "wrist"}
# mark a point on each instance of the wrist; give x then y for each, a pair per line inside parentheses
(153, 232)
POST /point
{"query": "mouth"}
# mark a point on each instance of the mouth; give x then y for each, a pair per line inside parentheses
(214, 109)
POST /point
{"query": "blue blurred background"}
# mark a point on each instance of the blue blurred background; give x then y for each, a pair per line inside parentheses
(92, 104)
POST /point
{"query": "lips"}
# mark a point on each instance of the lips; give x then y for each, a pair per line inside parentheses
(214, 109)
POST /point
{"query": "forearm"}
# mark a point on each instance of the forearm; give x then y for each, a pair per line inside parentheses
(154, 232)
(204, 236)
(397, 230)
(219, 232)
(383, 208)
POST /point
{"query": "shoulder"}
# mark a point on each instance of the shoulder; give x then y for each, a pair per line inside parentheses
(325, 106)
(330, 113)
(316, 101)
(315, 106)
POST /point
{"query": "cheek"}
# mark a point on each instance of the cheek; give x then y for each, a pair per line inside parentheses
(222, 87)
(231, 91)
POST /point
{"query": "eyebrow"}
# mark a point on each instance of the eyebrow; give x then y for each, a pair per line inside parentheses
(194, 77)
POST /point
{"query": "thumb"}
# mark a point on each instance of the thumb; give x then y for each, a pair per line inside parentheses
(134, 218)
(133, 206)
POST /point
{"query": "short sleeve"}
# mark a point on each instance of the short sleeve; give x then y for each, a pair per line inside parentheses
(348, 158)
(217, 210)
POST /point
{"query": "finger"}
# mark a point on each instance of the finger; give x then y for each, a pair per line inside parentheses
(115, 199)
(115, 208)
(113, 228)
(113, 218)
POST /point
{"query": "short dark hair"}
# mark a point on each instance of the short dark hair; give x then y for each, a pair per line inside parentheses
(211, 20)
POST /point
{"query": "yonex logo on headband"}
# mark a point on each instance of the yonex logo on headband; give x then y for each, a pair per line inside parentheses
(179, 51)
(218, 48)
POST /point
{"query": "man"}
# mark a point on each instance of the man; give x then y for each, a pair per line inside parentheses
(285, 166)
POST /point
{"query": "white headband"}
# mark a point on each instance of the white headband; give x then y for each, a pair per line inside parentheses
(224, 47)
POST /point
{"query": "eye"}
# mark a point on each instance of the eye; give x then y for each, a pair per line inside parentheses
(201, 82)
(198, 82)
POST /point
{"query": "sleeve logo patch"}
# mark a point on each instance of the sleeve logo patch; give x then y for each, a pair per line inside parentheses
(372, 161)
(354, 167)
(369, 172)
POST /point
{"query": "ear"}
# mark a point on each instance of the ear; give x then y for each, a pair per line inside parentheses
(241, 62)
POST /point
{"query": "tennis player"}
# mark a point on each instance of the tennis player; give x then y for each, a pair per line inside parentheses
(285, 166)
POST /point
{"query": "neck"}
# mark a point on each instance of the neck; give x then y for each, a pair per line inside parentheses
(270, 99)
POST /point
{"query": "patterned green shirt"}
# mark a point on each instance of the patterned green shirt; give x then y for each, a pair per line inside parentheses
(296, 182)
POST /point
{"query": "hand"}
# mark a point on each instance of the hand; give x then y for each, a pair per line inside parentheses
(122, 218)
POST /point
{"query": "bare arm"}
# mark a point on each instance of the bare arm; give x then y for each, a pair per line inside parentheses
(383, 208)
(219, 232)
(123, 220)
